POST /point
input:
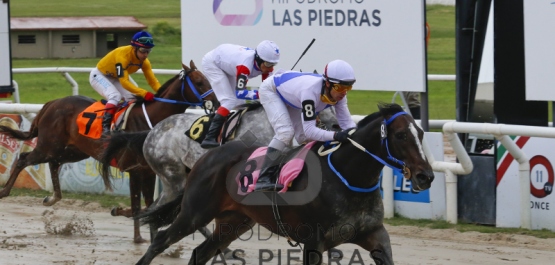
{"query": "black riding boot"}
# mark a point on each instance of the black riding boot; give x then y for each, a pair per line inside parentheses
(106, 123)
(270, 166)
(211, 138)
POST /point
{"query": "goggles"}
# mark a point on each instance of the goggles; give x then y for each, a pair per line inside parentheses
(342, 88)
(145, 40)
(269, 64)
(144, 50)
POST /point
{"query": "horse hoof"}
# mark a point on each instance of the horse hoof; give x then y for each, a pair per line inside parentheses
(47, 201)
(228, 255)
(114, 211)
(139, 240)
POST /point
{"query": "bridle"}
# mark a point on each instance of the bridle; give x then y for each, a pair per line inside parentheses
(383, 130)
(207, 105)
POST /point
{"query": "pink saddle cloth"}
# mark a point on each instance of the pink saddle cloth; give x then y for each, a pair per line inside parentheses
(289, 172)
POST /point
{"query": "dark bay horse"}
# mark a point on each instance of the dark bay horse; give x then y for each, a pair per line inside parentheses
(344, 204)
(171, 154)
(60, 142)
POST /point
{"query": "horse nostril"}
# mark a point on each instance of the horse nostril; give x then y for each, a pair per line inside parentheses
(424, 177)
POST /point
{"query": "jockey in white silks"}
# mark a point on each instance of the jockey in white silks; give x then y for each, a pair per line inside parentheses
(228, 68)
(292, 101)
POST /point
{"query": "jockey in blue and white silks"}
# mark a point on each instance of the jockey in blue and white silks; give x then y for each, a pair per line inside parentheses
(228, 68)
(292, 101)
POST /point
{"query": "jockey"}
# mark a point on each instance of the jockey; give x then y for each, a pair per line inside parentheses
(110, 78)
(292, 101)
(228, 68)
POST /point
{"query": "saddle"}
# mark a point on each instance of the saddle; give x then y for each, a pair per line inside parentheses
(89, 121)
(290, 168)
(199, 128)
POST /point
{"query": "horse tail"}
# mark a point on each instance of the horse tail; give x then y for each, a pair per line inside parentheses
(133, 141)
(33, 131)
(161, 215)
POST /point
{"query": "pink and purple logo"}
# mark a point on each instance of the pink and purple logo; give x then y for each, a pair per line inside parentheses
(237, 20)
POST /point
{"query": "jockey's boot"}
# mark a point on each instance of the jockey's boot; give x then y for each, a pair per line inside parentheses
(270, 166)
(106, 122)
(211, 138)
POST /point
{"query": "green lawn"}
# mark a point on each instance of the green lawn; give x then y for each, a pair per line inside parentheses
(163, 19)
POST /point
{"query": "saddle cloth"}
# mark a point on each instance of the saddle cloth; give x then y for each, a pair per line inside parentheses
(288, 172)
(199, 128)
(89, 121)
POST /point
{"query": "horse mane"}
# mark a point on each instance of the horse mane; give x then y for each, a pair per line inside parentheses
(250, 106)
(385, 109)
(140, 100)
(165, 86)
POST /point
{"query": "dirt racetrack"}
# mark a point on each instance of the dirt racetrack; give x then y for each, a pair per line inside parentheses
(75, 232)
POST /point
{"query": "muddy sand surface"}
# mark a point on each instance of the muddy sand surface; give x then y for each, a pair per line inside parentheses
(76, 232)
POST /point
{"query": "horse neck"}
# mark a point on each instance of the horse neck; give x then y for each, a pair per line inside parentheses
(357, 167)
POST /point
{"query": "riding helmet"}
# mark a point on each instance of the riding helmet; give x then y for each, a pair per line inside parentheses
(339, 71)
(268, 51)
(142, 39)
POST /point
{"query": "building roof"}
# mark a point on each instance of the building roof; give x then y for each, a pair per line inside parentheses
(76, 23)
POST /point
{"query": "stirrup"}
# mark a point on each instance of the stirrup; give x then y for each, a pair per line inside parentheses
(266, 187)
(207, 144)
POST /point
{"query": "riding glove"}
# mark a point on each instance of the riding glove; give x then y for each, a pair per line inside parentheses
(342, 136)
(149, 96)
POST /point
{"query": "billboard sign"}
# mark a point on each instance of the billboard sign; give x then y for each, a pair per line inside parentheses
(539, 59)
(542, 178)
(384, 40)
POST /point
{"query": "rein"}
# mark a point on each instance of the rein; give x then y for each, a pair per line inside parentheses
(185, 77)
(404, 170)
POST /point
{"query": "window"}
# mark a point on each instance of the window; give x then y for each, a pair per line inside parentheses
(70, 39)
(26, 39)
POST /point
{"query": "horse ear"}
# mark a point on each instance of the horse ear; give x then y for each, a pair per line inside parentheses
(192, 64)
(185, 67)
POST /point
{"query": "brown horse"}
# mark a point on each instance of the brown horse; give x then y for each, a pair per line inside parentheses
(60, 142)
(334, 200)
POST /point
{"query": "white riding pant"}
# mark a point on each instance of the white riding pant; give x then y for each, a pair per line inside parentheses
(109, 87)
(222, 84)
(286, 120)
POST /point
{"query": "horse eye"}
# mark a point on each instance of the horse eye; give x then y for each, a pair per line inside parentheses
(401, 136)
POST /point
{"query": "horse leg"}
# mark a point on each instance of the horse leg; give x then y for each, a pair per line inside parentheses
(181, 227)
(313, 253)
(20, 164)
(227, 230)
(148, 183)
(64, 155)
(54, 169)
(135, 184)
(377, 242)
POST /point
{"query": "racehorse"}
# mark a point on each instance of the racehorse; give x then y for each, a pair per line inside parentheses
(60, 142)
(346, 205)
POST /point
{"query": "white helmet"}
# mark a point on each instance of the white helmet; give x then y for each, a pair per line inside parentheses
(339, 71)
(268, 51)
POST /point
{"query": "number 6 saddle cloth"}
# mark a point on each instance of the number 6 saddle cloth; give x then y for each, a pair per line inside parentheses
(199, 128)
